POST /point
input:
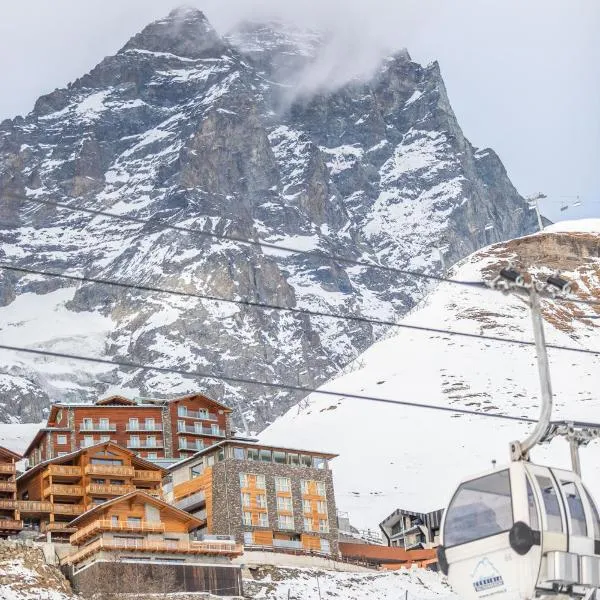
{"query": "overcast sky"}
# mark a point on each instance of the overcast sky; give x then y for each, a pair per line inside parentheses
(523, 75)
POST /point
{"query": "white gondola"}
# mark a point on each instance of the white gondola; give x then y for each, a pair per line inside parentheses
(524, 531)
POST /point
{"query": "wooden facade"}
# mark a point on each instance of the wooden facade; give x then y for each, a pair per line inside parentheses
(138, 525)
(10, 523)
(52, 493)
(153, 429)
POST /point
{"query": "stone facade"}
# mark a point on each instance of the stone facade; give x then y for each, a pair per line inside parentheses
(227, 504)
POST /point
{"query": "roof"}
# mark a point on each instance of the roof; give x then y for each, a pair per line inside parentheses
(118, 400)
(384, 554)
(41, 431)
(6, 453)
(250, 444)
(184, 516)
(401, 512)
(179, 398)
(67, 457)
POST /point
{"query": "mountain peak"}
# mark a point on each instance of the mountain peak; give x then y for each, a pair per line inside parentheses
(185, 32)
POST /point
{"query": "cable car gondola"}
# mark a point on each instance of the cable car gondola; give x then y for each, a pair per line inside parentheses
(524, 531)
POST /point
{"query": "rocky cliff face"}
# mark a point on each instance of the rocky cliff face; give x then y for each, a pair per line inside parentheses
(224, 135)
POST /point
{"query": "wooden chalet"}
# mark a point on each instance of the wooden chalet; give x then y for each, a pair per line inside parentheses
(138, 526)
(50, 494)
(10, 522)
(155, 429)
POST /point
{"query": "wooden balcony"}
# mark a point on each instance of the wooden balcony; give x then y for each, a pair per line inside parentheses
(68, 509)
(194, 548)
(34, 506)
(10, 525)
(57, 526)
(8, 468)
(8, 504)
(155, 476)
(103, 489)
(63, 471)
(57, 489)
(111, 470)
(122, 526)
(8, 486)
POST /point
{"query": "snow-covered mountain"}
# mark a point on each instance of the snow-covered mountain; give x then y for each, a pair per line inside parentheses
(226, 134)
(398, 456)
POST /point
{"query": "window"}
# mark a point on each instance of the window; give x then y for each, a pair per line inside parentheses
(152, 455)
(308, 524)
(245, 499)
(196, 470)
(323, 525)
(480, 508)
(247, 518)
(88, 440)
(293, 459)
(306, 506)
(97, 481)
(571, 493)
(104, 424)
(252, 454)
(322, 507)
(551, 503)
(150, 426)
(134, 424)
(261, 501)
(61, 440)
(106, 461)
(151, 441)
(215, 428)
(318, 462)
(534, 522)
(62, 453)
(210, 460)
(596, 517)
(305, 460)
(285, 522)
(114, 520)
(279, 457)
(304, 486)
(265, 455)
(283, 484)
(320, 488)
(221, 454)
(244, 480)
(117, 482)
(134, 521)
(198, 426)
(104, 438)
(59, 416)
(99, 500)
(181, 411)
(88, 424)
(284, 503)
(260, 482)
(134, 441)
(263, 519)
(180, 425)
(238, 453)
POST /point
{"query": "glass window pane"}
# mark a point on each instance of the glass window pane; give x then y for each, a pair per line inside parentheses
(534, 522)
(595, 516)
(551, 503)
(480, 508)
(265, 455)
(278, 457)
(238, 453)
(252, 454)
(306, 461)
(571, 494)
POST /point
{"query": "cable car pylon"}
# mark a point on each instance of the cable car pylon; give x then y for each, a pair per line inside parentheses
(526, 531)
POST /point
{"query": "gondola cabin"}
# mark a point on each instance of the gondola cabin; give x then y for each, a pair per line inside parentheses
(522, 532)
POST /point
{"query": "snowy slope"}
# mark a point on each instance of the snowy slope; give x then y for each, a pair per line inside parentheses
(396, 456)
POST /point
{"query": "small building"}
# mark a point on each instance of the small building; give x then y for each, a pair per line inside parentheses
(10, 522)
(264, 496)
(155, 429)
(412, 530)
(50, 494)
(141, 530)
(388, 557)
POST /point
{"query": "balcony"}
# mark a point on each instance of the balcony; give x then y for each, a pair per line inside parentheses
(96, 427)
(63, 471)
(8, 504)
(7, 468)
(145, 445)
(287, 544)
(122, 526)
(225, 548)
(109, 490)
(110, 470)
(157, 427)
(34, 506)
(56, 489)
(57, 526)
(190, 447)
(197, 414)
(190, 502)
(216, 432)
(68, 509)
(11, 524)
(154, 476)
(8, 486)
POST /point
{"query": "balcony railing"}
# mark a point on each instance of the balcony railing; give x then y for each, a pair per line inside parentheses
(147, 476)
(144, 427)
(34, 506)
(8, 486)
(287, 544)
(190, 502)
(11, 524)
(217, 431)
(97, 427)
(198, 548)
(7, 468)
(190, 447)
(197, 414)
(144, 444)
(106, 525)
(57, 526)
(8, 504)
(119, 471)
(56, 489)
(110, 490)
(68, 509)
(63, 471)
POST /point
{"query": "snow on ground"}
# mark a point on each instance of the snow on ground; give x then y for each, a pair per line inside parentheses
(311, 584)
(577, 225)
(18, 581)
(397, 456)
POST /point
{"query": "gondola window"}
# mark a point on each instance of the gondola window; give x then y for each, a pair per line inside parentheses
(551, 503)
(571, 493)
(480, 508)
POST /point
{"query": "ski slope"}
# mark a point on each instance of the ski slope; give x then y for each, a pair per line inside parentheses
(397, 456)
